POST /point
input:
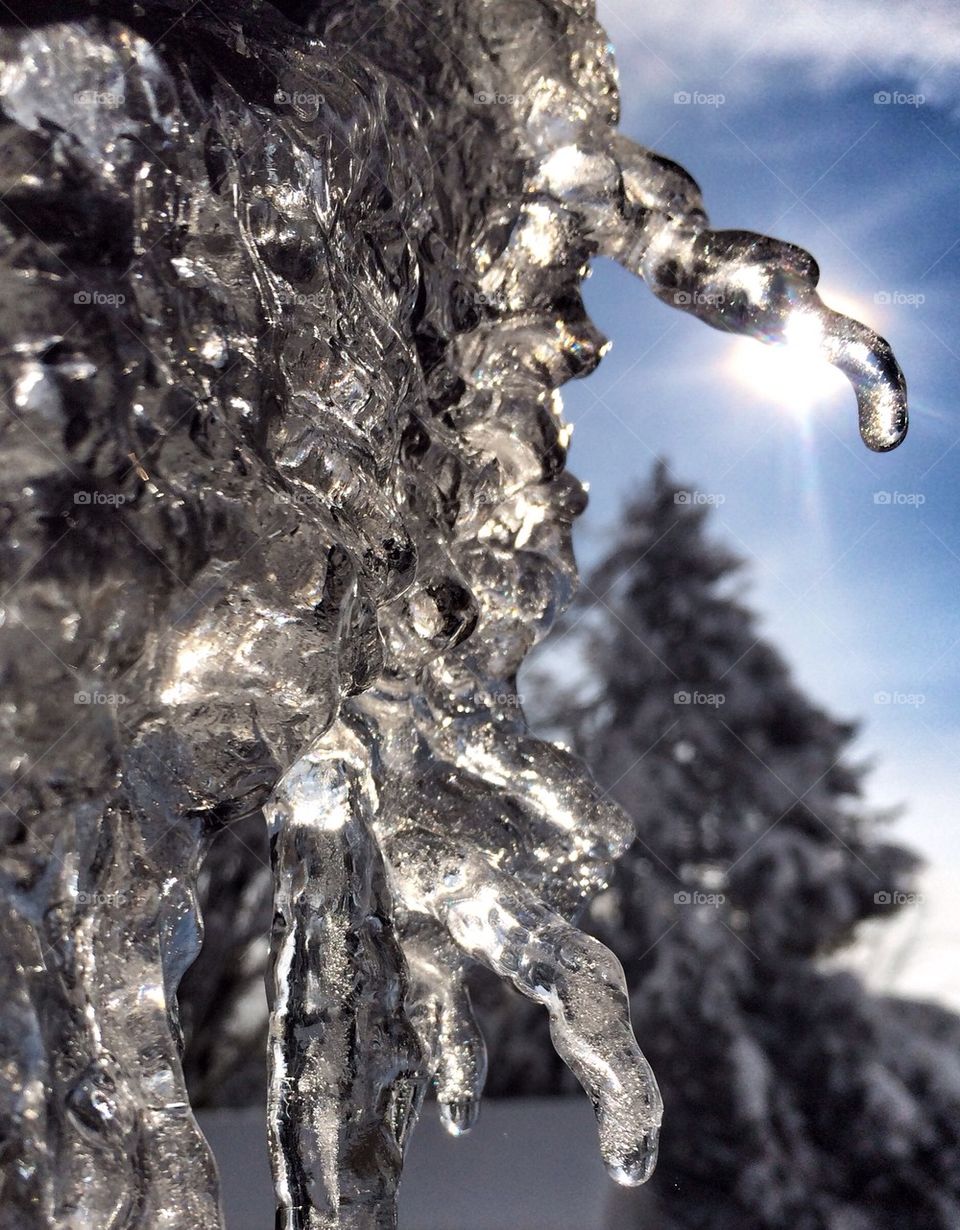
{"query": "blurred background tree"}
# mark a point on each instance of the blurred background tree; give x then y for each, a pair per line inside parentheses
(793, 1097)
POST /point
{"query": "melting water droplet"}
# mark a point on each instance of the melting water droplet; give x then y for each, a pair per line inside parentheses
(459, 1117)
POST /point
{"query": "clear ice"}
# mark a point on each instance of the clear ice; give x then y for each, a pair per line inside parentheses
(287, 298)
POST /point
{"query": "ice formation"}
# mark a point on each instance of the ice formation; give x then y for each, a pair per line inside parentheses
(287, 297)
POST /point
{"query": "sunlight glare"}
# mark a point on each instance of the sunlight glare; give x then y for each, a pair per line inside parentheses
(793, 373)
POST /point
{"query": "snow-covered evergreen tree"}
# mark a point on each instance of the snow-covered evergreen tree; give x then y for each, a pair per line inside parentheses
(794, 1098)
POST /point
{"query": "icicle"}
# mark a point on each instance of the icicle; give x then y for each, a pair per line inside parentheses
(751, 284)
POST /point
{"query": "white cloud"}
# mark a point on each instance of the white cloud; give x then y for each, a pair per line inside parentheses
(883, 41)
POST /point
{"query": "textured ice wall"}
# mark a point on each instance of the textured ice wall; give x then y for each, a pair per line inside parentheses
(286, 301)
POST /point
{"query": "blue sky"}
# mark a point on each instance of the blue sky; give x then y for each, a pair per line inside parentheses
(861, 596)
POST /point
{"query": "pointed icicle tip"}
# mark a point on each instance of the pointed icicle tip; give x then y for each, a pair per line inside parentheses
(868, 362)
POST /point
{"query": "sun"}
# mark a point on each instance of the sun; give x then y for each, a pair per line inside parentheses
(792, 374)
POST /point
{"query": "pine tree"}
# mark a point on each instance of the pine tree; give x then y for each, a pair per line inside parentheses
(793, 1097)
